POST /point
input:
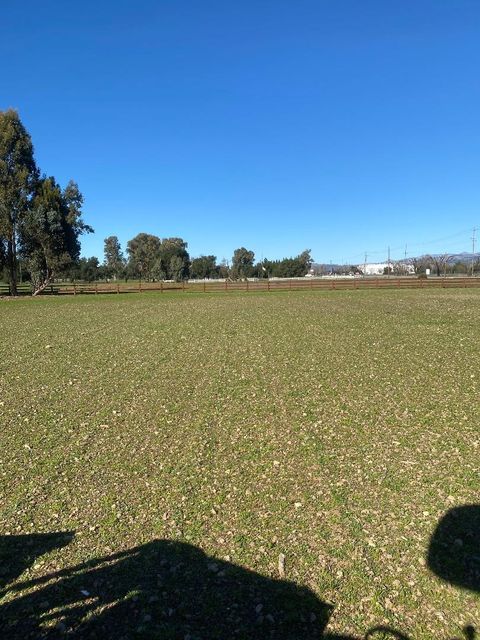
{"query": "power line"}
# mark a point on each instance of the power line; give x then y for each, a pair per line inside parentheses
(395, 250)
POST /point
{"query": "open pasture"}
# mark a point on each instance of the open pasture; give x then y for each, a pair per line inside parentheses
(173, 447)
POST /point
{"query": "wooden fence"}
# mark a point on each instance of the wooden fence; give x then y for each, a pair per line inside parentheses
(332, 284)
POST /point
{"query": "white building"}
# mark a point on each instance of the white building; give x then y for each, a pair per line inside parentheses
(379, 268)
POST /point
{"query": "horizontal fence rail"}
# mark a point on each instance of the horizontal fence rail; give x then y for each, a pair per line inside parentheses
(211, 286)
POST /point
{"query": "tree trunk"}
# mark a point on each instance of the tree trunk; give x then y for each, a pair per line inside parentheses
(12, 263)
(41, 287)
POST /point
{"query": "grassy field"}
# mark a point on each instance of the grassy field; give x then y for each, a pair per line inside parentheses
(159, 453)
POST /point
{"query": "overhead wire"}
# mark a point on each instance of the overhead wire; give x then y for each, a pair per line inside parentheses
(359, 257)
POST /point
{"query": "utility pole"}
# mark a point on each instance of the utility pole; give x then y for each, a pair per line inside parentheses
(473, 248)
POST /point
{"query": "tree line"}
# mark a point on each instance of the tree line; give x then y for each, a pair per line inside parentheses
(151, 258)
(41, 225)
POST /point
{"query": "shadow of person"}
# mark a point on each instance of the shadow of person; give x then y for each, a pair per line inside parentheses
(166, 590)
(454, 550)
(18, 553)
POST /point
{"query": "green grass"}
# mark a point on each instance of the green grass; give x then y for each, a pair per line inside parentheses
(336, 428)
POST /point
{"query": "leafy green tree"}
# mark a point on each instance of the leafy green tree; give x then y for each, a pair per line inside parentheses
(204, 267)
(85, 269)
(144, 252)
(18, 176)
(3, 255)
(287, 267)
(177, 269)
(129, 271)
(89, 269)
(242, 263)
(50, 231)
(223, 269)
(114, 261)
(305, 261)
(158, 271)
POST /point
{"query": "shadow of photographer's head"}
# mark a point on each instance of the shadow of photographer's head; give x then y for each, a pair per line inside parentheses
(454, 551)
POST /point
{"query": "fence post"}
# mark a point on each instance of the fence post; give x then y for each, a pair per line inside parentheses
(204, 288)
(183, 285)
(96, 288)
(161, 286)
(225, 285)
(118, 288)
(74, 289)
(268, 285)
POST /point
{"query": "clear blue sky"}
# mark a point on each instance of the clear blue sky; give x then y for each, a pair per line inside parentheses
(336, 125)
